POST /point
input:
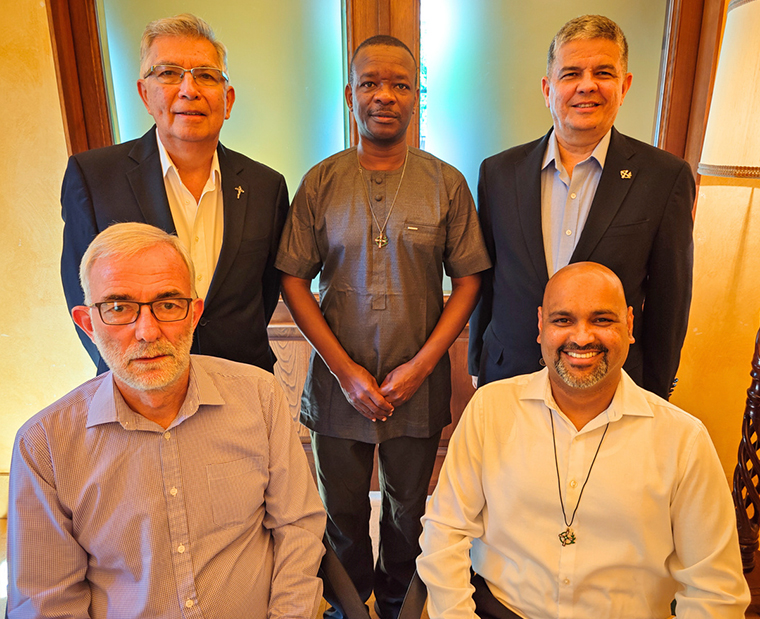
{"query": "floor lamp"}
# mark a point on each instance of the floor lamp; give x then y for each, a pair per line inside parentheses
(732, 149)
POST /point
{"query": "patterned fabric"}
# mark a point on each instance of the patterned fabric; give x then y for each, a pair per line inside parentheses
(215, 517)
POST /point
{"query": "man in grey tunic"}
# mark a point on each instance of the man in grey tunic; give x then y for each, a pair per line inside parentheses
(379, 222)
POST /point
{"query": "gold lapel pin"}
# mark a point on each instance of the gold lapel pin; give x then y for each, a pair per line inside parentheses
(240, 190)
(626, 174)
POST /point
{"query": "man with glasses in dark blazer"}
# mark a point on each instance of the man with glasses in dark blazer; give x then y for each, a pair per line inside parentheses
(226, 208)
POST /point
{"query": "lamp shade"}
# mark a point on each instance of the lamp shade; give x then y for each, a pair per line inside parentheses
(732, 138)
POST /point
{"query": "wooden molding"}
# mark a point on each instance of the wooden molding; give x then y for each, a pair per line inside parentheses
(79, 69)
(397, 18)
(687, 73)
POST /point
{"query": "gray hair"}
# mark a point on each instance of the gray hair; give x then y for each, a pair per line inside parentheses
(129, 239)
(184, 25)
(588, 27)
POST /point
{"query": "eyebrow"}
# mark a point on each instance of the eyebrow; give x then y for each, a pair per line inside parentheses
(169, 294)
(611, 67)
(599, 312)
(374, 74)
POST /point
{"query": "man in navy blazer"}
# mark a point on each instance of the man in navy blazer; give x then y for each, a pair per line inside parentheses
(584, 192)
(226, 208)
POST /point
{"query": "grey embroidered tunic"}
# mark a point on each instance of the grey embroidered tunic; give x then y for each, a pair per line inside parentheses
(381, 303)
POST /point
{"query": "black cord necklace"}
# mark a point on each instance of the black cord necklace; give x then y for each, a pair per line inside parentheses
(567, 536)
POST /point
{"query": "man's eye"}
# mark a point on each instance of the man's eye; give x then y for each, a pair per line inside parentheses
(207, 76)
(169, 73)
(117, 308)
(169, 305)
(402, 86)
(367, 84)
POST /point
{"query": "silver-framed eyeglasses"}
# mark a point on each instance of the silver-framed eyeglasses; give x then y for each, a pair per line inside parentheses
(172, 74)
(171, 309)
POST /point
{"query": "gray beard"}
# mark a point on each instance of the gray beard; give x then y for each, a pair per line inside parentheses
(584, 382)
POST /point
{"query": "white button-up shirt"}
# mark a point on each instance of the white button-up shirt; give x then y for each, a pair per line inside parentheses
(200, 225)
(655, 521)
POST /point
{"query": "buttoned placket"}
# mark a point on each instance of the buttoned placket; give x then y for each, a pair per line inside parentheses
(577, 461)
(378, 193)
(194, 215)
(178, 526)
(571, 219)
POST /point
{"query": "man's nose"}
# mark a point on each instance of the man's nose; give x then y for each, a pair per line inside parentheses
(187, 87)
(147, 328)
(583, 334)
(587, 82)
(384, 93)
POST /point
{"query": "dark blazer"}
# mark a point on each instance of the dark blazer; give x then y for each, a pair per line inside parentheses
(639, 225)
(125, 183)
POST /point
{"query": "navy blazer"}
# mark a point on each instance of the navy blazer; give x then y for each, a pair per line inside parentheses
(639, 225)
(125, 183)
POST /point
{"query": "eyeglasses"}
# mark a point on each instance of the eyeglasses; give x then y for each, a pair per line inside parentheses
(127, 312)
(172, 74)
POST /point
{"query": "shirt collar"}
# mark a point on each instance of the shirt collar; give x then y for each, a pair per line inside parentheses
(108, 405)
(167, 165)
(629, 399)
(552, 151)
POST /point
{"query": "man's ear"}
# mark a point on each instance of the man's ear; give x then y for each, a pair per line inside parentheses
(197, 308)
(83, 319)
(629, 320)
(540, 323)
(349, 97)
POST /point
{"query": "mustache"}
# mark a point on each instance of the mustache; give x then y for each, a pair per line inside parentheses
(574, 346)
(384, 112)
(153, 349)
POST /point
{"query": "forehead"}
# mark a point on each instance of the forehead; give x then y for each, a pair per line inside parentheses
(183, 51)
(142, 277)
(587, 52)
(584, 293)
(385, 59)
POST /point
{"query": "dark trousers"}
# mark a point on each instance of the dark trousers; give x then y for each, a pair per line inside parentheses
(344, 472)
(486, 604)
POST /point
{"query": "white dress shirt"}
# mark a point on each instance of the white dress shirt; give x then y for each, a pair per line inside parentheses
(566, 201)
(200, 225)
(655, 521)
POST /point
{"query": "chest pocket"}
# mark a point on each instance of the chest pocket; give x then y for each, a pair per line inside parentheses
(236, 489)
(424, 234)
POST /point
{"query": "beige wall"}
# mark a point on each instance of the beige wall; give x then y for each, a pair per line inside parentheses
(41, 357)
(725, 311)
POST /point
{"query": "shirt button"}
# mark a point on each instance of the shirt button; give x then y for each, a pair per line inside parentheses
(197, 239)
(566, 581)
(180, 549)
(167, 435)
(378, 198)
(189, 603)
(378, 180)
(173, 492)
(573, 483)
(572, 195)
(199, 278)
(568, 232)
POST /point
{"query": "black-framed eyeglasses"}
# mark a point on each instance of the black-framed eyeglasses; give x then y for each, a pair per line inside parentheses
(172, 74)
(126, 312)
